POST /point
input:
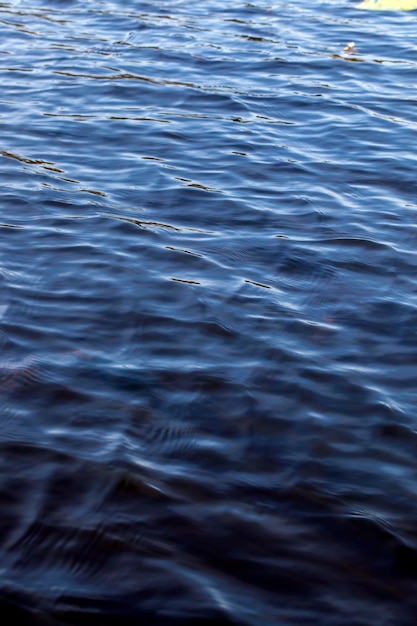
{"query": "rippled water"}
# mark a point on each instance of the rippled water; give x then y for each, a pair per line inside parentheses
(208, 313)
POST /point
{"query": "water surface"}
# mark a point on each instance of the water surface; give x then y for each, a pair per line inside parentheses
(208, 313)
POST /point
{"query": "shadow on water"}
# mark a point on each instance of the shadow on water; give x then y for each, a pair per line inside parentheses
(162, 540)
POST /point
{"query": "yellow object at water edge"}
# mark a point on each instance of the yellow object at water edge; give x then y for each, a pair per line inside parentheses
(388, 5)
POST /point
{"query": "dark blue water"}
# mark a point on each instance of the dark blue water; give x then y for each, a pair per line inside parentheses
(208, 313)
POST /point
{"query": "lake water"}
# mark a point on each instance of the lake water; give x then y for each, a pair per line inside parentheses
(208, 313)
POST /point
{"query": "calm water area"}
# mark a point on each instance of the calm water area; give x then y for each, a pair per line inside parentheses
(208, 313)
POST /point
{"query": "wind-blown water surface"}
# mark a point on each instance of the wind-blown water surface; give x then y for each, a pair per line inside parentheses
(208, 313)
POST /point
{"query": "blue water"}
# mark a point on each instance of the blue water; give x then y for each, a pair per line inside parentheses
(208, 313)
